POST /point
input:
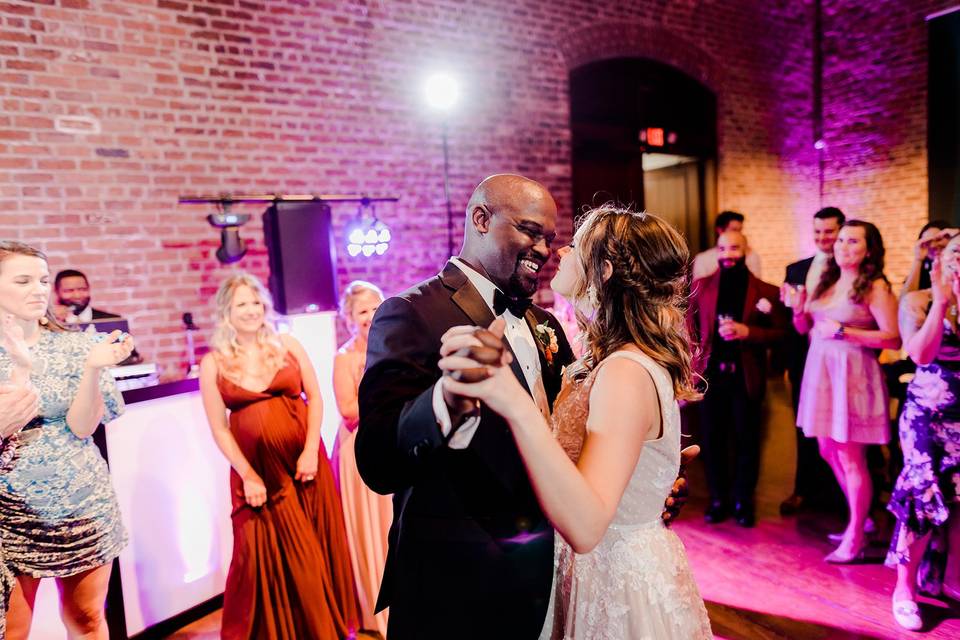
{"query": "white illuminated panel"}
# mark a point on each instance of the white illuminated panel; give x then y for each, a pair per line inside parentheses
(317, 332)
(173, 486)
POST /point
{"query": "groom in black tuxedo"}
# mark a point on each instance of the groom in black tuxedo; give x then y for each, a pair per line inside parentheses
(471, 553)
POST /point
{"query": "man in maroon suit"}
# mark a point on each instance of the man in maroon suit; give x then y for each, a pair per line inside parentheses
(735, 317)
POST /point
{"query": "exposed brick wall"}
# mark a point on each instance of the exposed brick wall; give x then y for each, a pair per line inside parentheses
(875, 116)
(111, 109)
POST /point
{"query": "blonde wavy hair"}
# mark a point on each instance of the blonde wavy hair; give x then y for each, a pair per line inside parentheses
(10, 248)
(644, 301)
(228, 350)
(354, 289)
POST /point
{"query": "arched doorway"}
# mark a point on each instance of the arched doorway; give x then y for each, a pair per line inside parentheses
(645, 133)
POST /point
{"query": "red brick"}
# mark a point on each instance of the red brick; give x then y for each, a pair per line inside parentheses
(330, 104)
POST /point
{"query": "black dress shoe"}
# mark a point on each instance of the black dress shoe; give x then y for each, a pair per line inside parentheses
(716, 512)
(744, 514)
(792, 505)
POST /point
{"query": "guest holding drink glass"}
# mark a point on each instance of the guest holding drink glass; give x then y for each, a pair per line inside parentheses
(735, 316)
(813, 481)
(932, 239)
(843, 396)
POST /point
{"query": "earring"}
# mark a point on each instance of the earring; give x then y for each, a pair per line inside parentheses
(592, 296)
(44, 321)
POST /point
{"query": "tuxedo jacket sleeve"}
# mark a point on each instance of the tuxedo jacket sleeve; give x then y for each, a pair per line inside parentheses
(398, 429)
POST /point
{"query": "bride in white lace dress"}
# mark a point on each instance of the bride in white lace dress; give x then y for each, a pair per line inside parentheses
(620, 573)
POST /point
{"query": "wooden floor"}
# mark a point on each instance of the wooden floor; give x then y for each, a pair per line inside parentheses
(770, 582)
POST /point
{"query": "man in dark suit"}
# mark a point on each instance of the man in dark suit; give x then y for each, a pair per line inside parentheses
(735, 316)
(471, 553)
(73, 299)
(813, 478)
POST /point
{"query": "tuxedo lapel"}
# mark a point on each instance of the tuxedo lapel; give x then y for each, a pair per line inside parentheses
(708, 307)
(466, 296)
(750, 300)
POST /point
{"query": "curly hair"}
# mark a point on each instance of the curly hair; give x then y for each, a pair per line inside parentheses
(871, 268)
(224, 341)
(644, 300)
(10, 248)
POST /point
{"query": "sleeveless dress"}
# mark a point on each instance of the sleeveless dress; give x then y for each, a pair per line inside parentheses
(58, 511)
(290, 576)
(844, 394)
(368, 516)
(929, 483)
(636, 584)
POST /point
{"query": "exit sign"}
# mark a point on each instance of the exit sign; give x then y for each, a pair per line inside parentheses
(654, 136)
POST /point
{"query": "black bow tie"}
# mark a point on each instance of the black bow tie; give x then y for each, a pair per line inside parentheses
(517, 306)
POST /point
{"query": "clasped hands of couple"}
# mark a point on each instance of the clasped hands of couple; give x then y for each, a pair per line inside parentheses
(476, 367)
(19, 400)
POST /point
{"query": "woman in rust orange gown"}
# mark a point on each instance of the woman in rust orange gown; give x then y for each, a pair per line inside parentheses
(290, 577)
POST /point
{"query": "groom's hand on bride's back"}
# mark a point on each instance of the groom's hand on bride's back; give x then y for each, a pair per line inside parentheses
(678, 495)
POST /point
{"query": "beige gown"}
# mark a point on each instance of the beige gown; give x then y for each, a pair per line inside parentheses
(367, 516)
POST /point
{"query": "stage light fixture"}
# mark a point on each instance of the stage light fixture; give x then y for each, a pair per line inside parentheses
(441, 91)
(366, 234)
(232, 247)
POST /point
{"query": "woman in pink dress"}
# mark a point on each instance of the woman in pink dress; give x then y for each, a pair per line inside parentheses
(843, 397)
(367, 514)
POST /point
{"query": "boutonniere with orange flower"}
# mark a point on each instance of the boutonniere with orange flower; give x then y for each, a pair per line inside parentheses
(547, 338)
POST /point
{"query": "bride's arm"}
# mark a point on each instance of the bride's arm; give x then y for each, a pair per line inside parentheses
(581, 499)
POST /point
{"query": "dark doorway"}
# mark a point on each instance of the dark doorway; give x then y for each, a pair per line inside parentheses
(943, 105)
(644, 133)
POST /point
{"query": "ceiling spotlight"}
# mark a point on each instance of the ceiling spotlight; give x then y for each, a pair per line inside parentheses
(366, 234)
(441, 91)
(232, 246)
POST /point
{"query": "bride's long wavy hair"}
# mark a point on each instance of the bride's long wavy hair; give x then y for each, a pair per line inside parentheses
(224, 340)
(644, 300)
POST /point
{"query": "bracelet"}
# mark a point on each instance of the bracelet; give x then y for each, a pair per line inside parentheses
(839, 334)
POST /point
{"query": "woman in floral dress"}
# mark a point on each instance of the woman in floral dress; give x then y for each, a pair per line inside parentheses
(59, 516)
(925, 496)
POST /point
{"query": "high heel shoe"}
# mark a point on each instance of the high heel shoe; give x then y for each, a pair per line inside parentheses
(834, 557)
(907, 615)
(869, 527)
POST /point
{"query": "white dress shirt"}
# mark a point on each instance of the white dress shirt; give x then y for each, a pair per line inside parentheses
(521, 340)
(85, 316)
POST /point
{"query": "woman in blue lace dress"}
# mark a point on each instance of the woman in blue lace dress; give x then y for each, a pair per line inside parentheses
(925, 497)
(59, 516)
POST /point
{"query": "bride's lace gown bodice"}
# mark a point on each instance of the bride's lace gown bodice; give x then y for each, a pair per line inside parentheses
(636, 584)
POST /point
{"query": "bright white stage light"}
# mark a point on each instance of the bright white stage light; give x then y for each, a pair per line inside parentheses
(441, 91)
(366, 234)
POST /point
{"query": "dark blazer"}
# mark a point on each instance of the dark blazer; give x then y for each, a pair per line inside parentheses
(765, 328)
(471, 553)
(797, 343)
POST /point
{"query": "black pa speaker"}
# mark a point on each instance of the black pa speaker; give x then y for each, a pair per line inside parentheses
(299, 239)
